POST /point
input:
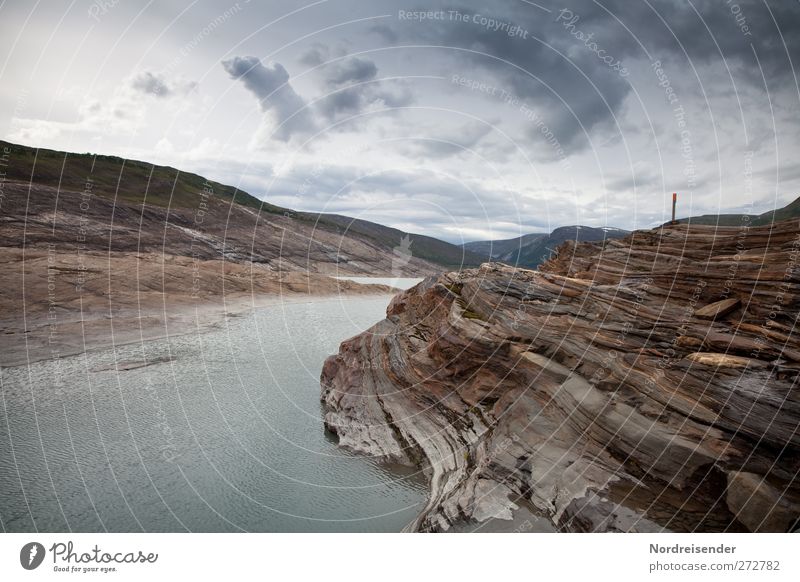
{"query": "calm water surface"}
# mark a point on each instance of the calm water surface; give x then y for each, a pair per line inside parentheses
(221, 431)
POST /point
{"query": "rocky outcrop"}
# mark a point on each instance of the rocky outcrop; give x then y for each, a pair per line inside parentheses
(591, 388)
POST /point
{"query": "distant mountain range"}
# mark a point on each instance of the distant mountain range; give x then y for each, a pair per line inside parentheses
(531, 250)
(137, 206)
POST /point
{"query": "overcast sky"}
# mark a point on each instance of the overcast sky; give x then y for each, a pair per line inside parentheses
(464, 123)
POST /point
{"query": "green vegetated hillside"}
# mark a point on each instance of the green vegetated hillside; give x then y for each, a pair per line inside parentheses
(791, 210)
(138, 182)
(115, 177)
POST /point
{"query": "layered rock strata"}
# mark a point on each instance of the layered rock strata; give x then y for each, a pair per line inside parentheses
(645, 384)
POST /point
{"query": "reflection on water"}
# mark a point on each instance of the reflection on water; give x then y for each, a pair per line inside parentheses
(221, 431)
(397, 282)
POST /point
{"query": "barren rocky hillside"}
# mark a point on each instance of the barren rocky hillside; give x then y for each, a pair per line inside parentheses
(36, 216)
(105, 203)
(86, 238)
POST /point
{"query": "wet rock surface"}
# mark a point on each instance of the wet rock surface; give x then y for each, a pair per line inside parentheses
(591, 390)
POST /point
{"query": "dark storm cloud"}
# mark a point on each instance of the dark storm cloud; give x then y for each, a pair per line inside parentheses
(352, 87)
(708, 31)
(345, 101)
(350, 70)
(270, 85)
(351, 101)
(315, 55)
(571, 62)
(534, 58)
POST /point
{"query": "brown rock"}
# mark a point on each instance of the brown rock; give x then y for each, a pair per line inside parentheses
(718, 308)
(721, 360)
(583, 390)
(757, 504)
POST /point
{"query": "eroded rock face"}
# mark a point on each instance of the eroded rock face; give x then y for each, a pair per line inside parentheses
(37, 217)
(591, 388)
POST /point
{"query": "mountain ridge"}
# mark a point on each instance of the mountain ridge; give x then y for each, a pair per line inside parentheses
(531, 250)
(791, 210)
(133, 183)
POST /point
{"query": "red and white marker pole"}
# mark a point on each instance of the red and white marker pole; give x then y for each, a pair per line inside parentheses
(674, 202)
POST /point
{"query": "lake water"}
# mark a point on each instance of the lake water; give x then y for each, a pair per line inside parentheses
(222, 433)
